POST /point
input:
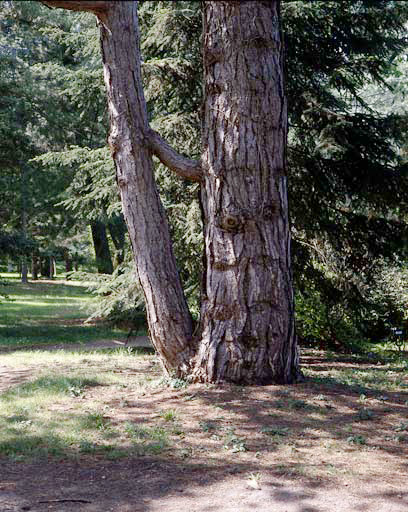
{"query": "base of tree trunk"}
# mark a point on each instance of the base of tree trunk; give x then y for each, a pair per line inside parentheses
(239, 371)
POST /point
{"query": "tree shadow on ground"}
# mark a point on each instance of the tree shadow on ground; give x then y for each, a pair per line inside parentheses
(231, 434)
(137, 485)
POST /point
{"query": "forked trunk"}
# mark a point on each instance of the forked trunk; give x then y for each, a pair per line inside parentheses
(247, 313)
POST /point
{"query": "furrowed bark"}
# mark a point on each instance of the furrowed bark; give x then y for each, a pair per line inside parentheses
(167, 313)
(169, 320)
(247, 315)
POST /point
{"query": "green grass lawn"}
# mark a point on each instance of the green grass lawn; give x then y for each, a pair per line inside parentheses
(42, 313)
(114, 404)
(58, 407)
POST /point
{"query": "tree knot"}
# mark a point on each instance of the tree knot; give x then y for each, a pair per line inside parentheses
(230, 222)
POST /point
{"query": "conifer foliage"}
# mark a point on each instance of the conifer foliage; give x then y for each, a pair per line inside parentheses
(346, 158)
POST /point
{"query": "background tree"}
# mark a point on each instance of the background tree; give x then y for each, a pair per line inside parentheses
(29, 106)
(61, 75)
(348, 177)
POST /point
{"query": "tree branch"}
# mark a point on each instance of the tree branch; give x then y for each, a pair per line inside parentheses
(97, 8)
(184, 167)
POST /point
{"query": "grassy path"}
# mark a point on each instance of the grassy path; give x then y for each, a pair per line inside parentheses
(48, 313)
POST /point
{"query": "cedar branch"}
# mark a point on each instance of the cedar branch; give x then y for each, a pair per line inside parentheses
(184, 167)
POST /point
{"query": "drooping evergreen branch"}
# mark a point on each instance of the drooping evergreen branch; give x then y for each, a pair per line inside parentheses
(184, 167)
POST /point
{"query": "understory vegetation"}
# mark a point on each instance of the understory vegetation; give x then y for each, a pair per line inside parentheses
(70, 400)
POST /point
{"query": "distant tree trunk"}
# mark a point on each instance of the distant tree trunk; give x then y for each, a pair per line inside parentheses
(247, 313)
(103, 256)
(24, 271)
(34, 266)
(68, 261)
(44, 267)
(117, 230)
(53, 269)
(24, 266)
(68, 265)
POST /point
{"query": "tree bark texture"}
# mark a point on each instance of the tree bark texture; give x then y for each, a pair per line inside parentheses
(247, 314)
(169, 320)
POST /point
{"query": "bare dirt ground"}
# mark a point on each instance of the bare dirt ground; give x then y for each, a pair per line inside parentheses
(301, 448)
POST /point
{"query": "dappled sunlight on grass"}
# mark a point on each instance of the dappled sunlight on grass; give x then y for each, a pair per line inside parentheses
(49, 313)
(115, 405)
(103, 360)
(26, 335)
(52, 414)
(347, 419)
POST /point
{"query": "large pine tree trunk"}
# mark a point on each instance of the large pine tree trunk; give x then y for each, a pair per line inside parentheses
(247, 312)
(247, 316)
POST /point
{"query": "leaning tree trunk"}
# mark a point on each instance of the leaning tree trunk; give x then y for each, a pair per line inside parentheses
(132, 143)
(169, 320)
(247, 313)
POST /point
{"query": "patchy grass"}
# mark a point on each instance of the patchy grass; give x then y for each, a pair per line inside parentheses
(115, 405)
(358, 374)
(57, 407)
(349, 417)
